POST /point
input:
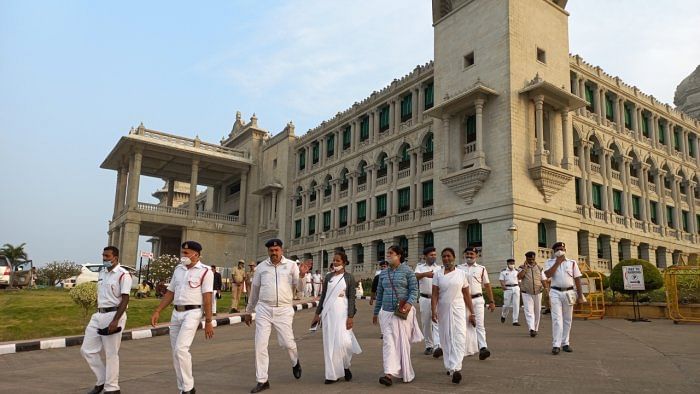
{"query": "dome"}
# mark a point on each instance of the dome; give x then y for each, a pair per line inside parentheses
(687, 97)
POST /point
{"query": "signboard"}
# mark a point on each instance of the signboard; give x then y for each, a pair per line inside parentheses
(148, 255)
(633, 277)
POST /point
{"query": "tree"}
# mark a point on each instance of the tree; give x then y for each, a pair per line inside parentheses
(55, 271)
(162, 267)
(17, 255)
(85, 295)
(652, 277)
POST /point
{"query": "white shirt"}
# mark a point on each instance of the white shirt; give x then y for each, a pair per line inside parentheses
(509, 276)
(189, 284)
(477, 276)
(111, 285)
(316, 278)
(273, 285)
(564, 275)
(426, 284)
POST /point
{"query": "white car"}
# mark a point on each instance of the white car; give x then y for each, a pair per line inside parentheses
(90, 273)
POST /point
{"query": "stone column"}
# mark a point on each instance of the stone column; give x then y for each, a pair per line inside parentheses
(626, 190)
(243, 201)
(556, 137)
(479, 109)
(697, 153)
(607, 187)
(540, 156)
(192, 206)
(582, 93)
(370, 254)
(374, 126)
(661, 193)
(684, 143)
(171, 193)
(567, 163)
(587, 167)
(643, 180)
(355, 135)
(601, 104)
(322, 151)
(414, 104)
(635, 125)
(392, 116)
(676, 195)
(621, 114)
(446, 158)
(653, 119)
(122, 176)
(692, 221)
(420, 104)
(338, 143)
(397, 114)
(134, 178)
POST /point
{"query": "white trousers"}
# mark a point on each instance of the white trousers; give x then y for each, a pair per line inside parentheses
(479, 316)
(562, 314)
(428, 326)
(396, 345)
(183, 327)
(213, 301)
(511, 302)
(532, 304)
(317, 289)
(267, 317)
(308, 290)
(107, 371)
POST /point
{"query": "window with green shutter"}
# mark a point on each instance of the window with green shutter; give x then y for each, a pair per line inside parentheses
(636, 211)
(404, 199)
(342, 217)
(427, 194)
(381, 206)
(328, 189)
(360, 254)
(662, 133)
(384, 118)
(404, 158)
(577, 186)
(326, 220)
(617, 202)
(589, 97)
(330, 145)
(428, 239)
(315, 152)
(428, 96)
(628, 117)
(599, 247)
(645, 126)
(361, 211)
(347, 137)
(697, 223)
(406, 107)
(653, 212)
(597, 196)
(302, 159)
(541, 235)
(684, 218)
(381, 171)
(608, 107)
(677, 140)
(669, 216)
(381, 253)
(691, 148)
(312, 224)
(403, 243)
(297, 228)
(364, 128)
(428, 148)
(470, 128)
(474, 234)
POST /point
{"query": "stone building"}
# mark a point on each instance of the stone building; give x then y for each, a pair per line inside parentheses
(505, 141)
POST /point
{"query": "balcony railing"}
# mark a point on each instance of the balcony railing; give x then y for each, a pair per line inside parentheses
(428, 165)
(637, 224)
(343, 194)
(361, 188)
(651, 187)
(182, 212)
(544, 253)
(220, 217)
(360, 227)
(404, 173)
(595, 167)
(327, 199)
(635, 181)
(426, 212)
(381, 181)
(576, 161)
(598, 214)
(656, 229)
(601, 265)
(616, 174)
(619, 220)
(379, 222)
(579, 209)
(402, 217)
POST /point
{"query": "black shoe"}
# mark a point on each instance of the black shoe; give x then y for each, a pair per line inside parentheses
(456, 377)
(328, 381)
(296, 370)
(533, 333)
(97, 389)
(428, 351)
(348, 375)
(260, 387)
(555, 350)
(484, 353)
(437, 353)
(193, 391)
(567, 348)
(119, 392)
(503, 319)
(385, 380)
(516, 324)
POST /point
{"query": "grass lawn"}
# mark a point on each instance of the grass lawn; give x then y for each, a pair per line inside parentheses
(33, 314)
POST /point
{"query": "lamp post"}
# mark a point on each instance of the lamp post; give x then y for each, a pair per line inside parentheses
(513, 230)
(321, 238)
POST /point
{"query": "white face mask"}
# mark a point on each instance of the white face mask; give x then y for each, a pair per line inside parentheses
(337, 268)
(106, 263)
(560, 253)
(449, 265)
(511, 266)
(185, 261)
(469, 261)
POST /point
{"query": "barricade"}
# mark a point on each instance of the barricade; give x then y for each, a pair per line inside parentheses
(682, 283)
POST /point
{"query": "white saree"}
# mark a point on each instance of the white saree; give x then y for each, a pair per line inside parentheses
(339, 343)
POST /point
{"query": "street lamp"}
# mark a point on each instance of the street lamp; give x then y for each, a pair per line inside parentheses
(513, 230)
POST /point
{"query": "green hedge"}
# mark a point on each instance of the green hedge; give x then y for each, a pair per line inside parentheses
(653, 279)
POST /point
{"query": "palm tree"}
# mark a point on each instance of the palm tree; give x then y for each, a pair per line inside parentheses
(16, 254)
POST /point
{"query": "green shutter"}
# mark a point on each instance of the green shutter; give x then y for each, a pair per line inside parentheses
(381, 206)
(589, 96)
(597, 196)
(628, 117)
(404, 154)
(662, 133)
(428, 96)
(427, 194)
(608, 108)
(315, 150)
(312, 224)
(470, 128)
(645, 126)
(403, 243)
(669, 216)
(361, 211)
(577, 186)
(684, 217)
(406, 107)
(617, 202)
(635, 207)
(652, 212)
(330, 145)
(429, 144)
(404, 199)
(343, 216)
(541, 235)
(691, 148)
(302, 159)
(347, 137)
(474, 234)
(297, 228)
(384, 118)
(326, 220)
(428, 239)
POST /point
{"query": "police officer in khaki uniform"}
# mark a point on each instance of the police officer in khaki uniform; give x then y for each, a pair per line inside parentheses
(113, 287)
(190, 290)
(532, 282)
(238, 278)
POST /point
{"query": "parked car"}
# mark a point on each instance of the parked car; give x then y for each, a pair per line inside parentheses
(5, 271)
(67, 283)
(90, 273)
(22, 274)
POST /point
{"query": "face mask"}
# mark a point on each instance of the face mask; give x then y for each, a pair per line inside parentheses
(337, 268)
(106, 263)
(469, 261)
(560, 253)
(511, 266)
(185, 261)
(430, 260)
(449, 265)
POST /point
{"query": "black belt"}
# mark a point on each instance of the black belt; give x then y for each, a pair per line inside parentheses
(182, 308)
(107, 310)
(511, 285)
(563, 289)
(425, 295)
(477, 295)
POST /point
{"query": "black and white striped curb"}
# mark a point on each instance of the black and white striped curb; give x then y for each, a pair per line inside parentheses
(57, 343)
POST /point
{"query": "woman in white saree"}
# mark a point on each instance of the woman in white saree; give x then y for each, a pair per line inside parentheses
(335, 312)
(450, 301)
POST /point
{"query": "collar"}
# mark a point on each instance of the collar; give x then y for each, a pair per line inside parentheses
(196, 265)
(115, 269)
(283, 260)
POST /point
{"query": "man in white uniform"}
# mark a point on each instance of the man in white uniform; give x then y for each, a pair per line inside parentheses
(271, 298)
(478, 277)
(190, 290)
(113, 287)
(564, 274)
(532, 283)
(511, 292)
(308, 284)
(316, 279)
(424, 274)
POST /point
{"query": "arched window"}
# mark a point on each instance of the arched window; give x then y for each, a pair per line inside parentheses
(405, 157)
(428, 148)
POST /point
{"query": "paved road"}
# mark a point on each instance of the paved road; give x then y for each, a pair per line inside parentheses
(610, 355)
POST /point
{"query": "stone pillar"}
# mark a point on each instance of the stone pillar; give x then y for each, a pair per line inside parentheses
(607, 163)
(635, 125)
(621, 114)
(129, 243)
(414, 251)
(322, 151)
(392, 116)
(626, 189)
(566, 162)
(555, 138)
(613, 246)
(601, 104)
(122, 175)
(697, 153)
(445, 145)
(653, 119)
(606, 202)
(354, 135)
(692, 221)
(643, 179)
(587, 167)
(169, 201)
(192, 206)
(370, 254)
(134, 178)
(273, 208)
(243, 201)
(661, 193)
(397, 114)
(540, 157)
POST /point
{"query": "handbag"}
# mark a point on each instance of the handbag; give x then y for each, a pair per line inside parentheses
(400, 304)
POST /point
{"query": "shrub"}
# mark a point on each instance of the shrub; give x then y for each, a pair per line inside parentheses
(652, 277)
(85, 295)
(497, 296)
(162, 267)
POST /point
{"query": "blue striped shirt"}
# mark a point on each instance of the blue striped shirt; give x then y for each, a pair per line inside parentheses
(406, 286)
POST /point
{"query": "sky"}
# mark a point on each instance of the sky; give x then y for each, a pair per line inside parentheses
(77, 75)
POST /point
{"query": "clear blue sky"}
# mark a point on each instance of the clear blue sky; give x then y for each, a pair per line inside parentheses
(76, 75)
